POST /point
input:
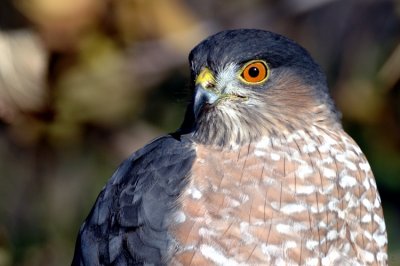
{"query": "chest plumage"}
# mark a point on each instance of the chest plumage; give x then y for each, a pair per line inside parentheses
(306, 198)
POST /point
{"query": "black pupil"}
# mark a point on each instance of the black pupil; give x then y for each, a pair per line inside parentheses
(254, 72)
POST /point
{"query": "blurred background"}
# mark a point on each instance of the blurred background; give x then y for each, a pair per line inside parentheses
(84, 83)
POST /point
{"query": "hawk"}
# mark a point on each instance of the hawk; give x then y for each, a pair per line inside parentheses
(260, 172)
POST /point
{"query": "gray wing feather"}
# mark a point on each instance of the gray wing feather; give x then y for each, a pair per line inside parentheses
(128, 224)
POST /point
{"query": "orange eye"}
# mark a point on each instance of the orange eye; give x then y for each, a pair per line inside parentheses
(255, 72)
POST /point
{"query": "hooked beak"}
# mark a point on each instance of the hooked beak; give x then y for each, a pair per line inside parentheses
(202, 97)
(204, 93)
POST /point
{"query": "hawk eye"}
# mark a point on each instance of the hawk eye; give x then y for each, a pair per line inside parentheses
(255, 72)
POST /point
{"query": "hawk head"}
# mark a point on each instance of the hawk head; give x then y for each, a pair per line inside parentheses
(253, 83)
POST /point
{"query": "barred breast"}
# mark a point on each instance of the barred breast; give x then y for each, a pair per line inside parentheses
(304, 198)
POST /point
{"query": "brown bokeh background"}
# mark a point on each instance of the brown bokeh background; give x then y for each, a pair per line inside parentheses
(84, 83)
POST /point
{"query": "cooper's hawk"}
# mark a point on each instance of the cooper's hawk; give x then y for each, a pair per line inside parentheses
(260, 172)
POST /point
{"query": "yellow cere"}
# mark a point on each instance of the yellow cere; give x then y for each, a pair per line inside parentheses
(205, 78)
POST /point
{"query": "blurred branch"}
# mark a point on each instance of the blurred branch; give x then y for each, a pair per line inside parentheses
(304, 6)
(389, 74)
